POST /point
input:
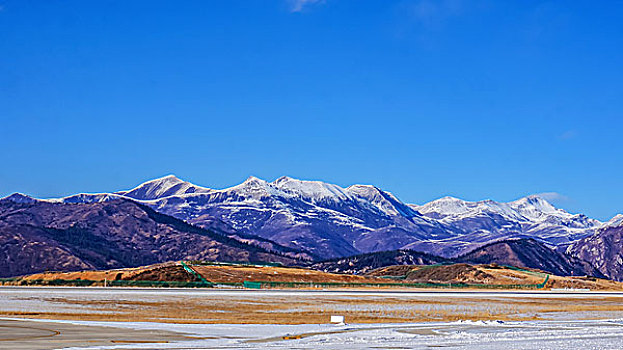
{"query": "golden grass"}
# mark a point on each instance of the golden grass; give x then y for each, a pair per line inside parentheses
(316, 309)
(272, 309)
(237, 274)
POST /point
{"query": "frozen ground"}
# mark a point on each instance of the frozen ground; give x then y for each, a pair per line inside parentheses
(293, 307)
(605, 334)
(522, 320)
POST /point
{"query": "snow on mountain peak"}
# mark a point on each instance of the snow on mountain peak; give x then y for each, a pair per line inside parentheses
(20, 198)
(168, 180)
(252, 187)
(162, 187)
(312, 190)
(283, 179)
(170, 177)
(535, 207)
(615, 221)
(445, 206)
(535, 200)
(253, 181)
(383, 200)
(365, 191)
(531, 207)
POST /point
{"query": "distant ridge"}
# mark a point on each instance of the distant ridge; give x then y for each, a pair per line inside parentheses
(525, 253)
(529, 253)
(330, 221)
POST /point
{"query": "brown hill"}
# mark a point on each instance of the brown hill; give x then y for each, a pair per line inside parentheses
(476, 275)
(169, 271)
(461, 273)
(490, 274)
(215, 273)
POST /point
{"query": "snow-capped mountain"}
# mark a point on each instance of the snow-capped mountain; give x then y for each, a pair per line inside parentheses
(163, 187)
(322, 218)
(615, 221)
(159, 188)
(330, 221)
(528, 217)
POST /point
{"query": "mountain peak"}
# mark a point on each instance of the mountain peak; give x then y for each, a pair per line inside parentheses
(363, 190)
(20, 198)
(283, 179)
(167, 179)
(252, 180)
(534, 205)
(615, 221)
(170, 177)
(450, 199)
(310, 189)
(534, 198)
(444, 206)
(165, 186)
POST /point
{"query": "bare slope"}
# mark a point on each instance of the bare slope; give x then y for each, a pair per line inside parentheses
(604, 250)
(491, 274)
(526, 253)
(38, 236)
(529, 253)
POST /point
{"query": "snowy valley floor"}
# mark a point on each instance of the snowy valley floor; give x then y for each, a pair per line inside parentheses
(98, 318)
(74, 335)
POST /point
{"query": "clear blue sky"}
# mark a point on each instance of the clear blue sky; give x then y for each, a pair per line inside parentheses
(424, 98)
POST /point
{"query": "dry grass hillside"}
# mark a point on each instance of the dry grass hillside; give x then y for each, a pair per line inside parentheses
(170, 271)
(490, 275)
(277, 274)
(222, 273)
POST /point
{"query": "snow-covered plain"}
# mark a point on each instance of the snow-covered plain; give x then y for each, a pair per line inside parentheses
(560, 330)
(601, 334)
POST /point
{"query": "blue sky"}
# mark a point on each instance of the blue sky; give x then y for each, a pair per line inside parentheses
(425, 98)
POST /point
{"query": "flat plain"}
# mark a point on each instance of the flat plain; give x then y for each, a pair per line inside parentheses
(233, 318)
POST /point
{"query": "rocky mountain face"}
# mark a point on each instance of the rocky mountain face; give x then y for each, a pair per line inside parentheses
(364, 263)
(37, 236)
(604, 249)
(330, 221)
(529, 253)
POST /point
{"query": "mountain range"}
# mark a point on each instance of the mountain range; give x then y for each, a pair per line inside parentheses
(331, 221)
(319, 221)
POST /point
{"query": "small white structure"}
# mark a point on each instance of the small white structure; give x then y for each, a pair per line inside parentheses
(337, 320)
(570, 290)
